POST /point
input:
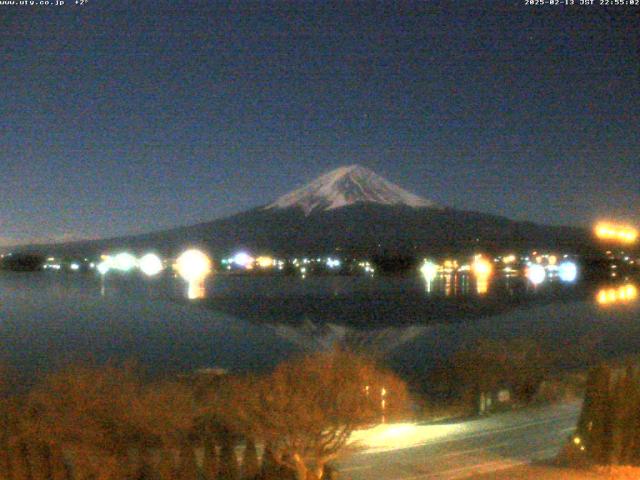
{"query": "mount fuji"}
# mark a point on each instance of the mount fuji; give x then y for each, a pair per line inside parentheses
(346, 186)
(348, 210)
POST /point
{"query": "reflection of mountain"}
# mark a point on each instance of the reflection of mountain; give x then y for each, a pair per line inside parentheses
(310, 337)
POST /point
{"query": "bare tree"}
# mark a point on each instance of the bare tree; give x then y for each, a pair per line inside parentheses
(307, 408)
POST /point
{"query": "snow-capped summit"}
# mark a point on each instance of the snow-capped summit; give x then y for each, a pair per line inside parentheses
(347, 186)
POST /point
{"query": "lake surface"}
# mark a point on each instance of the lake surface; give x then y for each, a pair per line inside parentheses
(251, 323)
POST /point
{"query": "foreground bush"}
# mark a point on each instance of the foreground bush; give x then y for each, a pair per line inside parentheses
(608, 431)
(108, 423)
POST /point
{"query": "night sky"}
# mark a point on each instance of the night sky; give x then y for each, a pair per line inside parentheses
(118, 118)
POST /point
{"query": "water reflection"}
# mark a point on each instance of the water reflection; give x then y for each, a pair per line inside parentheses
(458, 284)
(617, 295)
(482, 285)
(482, 270)
(312, 336)
(196, 289)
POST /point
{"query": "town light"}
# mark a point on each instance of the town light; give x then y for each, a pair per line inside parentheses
(265, 262)
(481, 267)
(509, 259)
(333, 262)
(193, 265)
(568, 272)
(151, 264)
(104, 266)
(429, 271)
(617, 233)
(243, 259)
(536, 274)
(124, 262)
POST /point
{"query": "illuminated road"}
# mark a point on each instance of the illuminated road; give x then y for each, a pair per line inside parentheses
(461, 450)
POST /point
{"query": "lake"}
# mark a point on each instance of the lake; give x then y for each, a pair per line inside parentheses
(252, 322)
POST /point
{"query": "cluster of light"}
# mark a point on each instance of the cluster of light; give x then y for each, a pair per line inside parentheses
(568, 272)
(265, 262)
(450, 266)
(617, 233)
(243, 259)
(150, 264)
(103, 267)
(124, 262)
(333, 262)
(481, 267)
(429, 271)
(193, 265)
(509, 259)
(367, 267)
(622, 294)
(75, 267)
(536, 274)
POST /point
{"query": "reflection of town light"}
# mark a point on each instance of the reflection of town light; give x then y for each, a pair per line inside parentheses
(193, 265)
(196, 290)
(568, 272)
(536, 274)
(482, 269)
(150, 264)
(429, 271)
(243, 259)
(625, 293)
(124, 262)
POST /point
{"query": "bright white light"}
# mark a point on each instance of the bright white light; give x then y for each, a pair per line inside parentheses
(150, 264)
(75, 267)
(193, 265)
(333, 262)
(568, 272)
(103, 267)
(429, 271)
(242, 259)
(536, 274)
(124, 262)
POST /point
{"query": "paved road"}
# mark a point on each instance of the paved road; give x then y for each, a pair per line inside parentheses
(461, 450)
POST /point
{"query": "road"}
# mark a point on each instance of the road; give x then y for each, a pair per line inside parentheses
(460, 450)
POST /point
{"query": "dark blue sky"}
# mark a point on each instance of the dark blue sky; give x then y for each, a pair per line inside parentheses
(120, 119)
